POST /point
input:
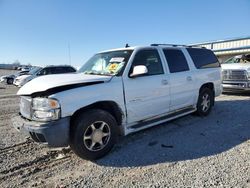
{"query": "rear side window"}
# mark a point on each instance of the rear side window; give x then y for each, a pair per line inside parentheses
(69, 69)
(61, 70)
(57, 70)
(176, 60)
(203, 58)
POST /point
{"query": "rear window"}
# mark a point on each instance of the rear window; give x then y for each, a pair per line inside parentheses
(203, 58)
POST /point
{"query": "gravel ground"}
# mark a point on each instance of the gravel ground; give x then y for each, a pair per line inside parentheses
(188, 152)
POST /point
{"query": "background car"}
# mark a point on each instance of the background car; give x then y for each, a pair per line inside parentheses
(9, 79)
(26, 69)
(39, 71)
(236, 73)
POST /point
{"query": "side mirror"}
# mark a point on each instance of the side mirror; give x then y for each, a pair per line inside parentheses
(139, 70)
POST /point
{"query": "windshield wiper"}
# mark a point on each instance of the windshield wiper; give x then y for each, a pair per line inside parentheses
(98, 73)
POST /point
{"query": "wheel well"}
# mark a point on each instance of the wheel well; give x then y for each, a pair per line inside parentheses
(108, 106)
(210, 86)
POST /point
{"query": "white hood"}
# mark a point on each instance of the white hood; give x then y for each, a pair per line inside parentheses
(44, 83)
(240, 66)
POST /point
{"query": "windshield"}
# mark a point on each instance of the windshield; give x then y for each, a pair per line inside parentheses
(34, 70)
(239, 59)
(107, 63)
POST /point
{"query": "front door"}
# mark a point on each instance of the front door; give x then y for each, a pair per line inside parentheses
(146, 96)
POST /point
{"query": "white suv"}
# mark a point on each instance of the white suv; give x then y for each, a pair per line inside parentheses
(118, 92)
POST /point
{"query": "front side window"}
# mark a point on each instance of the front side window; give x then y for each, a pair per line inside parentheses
(107, 63)
(149, 58)
(176, 60)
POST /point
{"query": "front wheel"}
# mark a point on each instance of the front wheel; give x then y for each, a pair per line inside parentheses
(10, 81)
(93, 134)
(205, 102)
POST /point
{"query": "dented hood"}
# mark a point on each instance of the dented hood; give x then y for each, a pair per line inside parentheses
(60, 82)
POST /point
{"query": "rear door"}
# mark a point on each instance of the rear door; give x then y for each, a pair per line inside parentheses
(181, 79)
(146, 96)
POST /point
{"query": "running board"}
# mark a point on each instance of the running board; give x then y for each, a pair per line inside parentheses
(170, 115)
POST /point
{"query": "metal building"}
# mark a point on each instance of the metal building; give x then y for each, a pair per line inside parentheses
(225, 49)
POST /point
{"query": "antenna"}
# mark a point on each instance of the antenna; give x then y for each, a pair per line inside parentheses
(127, 46)
(69, 54)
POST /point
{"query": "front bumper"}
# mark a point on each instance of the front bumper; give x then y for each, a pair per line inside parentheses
(236, 86)
(17, 83)
(53, 134)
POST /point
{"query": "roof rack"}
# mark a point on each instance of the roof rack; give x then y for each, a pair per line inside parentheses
(178, 45)
(173, 45)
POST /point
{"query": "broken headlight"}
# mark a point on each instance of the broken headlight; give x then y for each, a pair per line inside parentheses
(45, 109)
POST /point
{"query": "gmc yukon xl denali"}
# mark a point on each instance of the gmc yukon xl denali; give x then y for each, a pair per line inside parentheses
(118, 92)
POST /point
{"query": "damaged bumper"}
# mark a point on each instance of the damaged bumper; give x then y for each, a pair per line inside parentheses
(53, 134)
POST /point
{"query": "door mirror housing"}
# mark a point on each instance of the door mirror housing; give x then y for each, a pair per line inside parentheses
(139, 70)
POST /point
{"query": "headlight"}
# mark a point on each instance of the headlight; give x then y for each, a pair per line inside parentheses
(24, 81)
(45, 109)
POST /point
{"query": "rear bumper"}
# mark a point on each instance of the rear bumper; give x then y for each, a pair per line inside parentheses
(53, 134)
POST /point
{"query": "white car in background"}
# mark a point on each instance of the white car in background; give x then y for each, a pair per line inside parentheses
(39, 71)
(26, 69)
(21, 80)
(9, 79)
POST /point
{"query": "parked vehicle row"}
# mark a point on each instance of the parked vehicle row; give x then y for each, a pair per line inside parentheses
(9, 79)
(42, 71)
(22, 77)
(118, 92)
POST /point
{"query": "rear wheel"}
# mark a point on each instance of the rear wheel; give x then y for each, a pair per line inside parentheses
(205, 102)
(93, 134)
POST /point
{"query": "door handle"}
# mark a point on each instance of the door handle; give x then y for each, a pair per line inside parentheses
(189, 78)
(164, 82)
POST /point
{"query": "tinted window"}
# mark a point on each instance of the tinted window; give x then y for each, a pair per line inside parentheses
(70, 69)
(58, 70)
(45, 71)
(149, 58)
(203, 58)
(176, 60)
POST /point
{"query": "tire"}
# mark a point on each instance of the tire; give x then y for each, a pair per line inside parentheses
(205, 102)
(93, 134)
(10, 81)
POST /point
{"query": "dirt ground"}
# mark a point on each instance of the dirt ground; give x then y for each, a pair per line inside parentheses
(188, 152)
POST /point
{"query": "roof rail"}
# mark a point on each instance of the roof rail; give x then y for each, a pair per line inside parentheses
(196, 46)
(173, 45)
